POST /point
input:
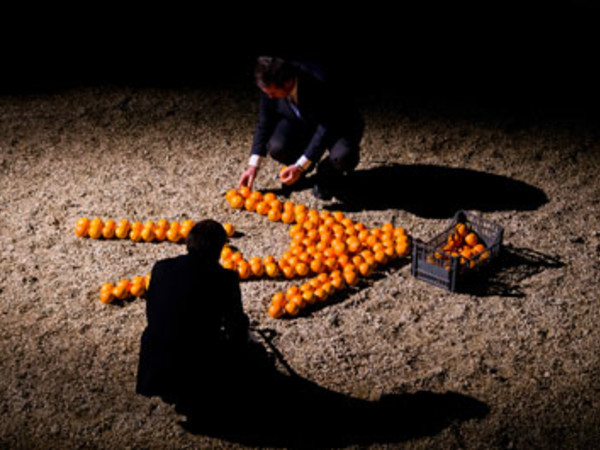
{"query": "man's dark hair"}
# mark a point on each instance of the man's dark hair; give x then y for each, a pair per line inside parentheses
(271, 70)
(206, 239)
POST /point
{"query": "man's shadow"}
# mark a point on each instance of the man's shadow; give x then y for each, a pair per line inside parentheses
(279, 408)
(431, 191)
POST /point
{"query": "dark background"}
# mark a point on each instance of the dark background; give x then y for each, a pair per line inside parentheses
(509, 54)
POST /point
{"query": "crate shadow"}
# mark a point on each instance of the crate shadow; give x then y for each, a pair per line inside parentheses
(431, 191)
(513, 266)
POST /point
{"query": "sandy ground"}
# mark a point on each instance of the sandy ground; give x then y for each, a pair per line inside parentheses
(525, 344)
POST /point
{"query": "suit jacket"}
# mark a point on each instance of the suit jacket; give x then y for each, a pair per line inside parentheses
(329, 112)
(194, 314)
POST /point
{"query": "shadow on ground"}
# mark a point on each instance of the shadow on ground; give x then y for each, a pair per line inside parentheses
(431, 191)
(286, 410)
(513, 266)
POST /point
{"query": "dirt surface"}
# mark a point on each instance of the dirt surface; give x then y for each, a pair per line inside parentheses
(524, 345)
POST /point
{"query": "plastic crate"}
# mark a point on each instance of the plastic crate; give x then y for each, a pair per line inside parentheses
(431, 264)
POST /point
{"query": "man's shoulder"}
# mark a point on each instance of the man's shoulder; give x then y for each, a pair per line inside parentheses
(166, 263)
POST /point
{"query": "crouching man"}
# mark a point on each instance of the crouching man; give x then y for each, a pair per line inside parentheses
(197, 331)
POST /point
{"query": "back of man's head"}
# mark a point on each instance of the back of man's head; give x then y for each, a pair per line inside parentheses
(206, 239)
(273, 71)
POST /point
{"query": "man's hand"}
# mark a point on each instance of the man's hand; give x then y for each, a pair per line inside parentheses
(289, 175)
(247, 178)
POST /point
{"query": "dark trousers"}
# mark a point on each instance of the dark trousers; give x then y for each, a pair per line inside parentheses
(291, 137)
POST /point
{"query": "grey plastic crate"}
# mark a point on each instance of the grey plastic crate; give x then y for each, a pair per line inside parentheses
(447, 272)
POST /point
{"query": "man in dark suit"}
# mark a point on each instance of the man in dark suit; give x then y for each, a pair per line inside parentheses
(196, 325)
(301, 116)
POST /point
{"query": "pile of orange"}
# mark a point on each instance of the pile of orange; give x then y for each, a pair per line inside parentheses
(327, 246)
(463, 243)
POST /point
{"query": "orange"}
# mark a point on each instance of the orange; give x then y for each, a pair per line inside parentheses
(263, 208)
(274, 215)
(381, 257)
(387, 227)
(292, 308)
(402, 248)
(339, 247)
(237, 202)
(278, 298)
(121, 290)
(300, 208)
(350, 278)
(229, 229)
(276, 311)
(390, 252)
(230, 194)
(349, 268)
(328, 288)
(359, 226)
(148, 234)
(256, 195)
(243, 270)
(288, 216)
(338, 283)
(300, 217)
(269, 259)
(250, 204)
(365, 269)
(255, 260)
(272, 269)
(276, 204)
(471, 239)
(322, 278)
(135, 234)
(289, 272)
(122, 230)
(96, 222)
(81, 227)
(95, 228)
(309, 296)
(461, 229)
(298, 300)
(160, 234)
(288, 206)
(137, 289)
(338, 216)
(228, 264)
(357, 260)
(347, 222)
(108, 230)
(173, 234)
(236, 257)
(269, 197)
(302, 269)
(477, 249)
(244, 191)
(106, 295)
(257, 269)
(363, 235)
(343, 259)
(331, 263)
(317, 265)
(321, 294)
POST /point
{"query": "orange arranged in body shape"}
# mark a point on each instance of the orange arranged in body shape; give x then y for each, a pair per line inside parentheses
(327, 248)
